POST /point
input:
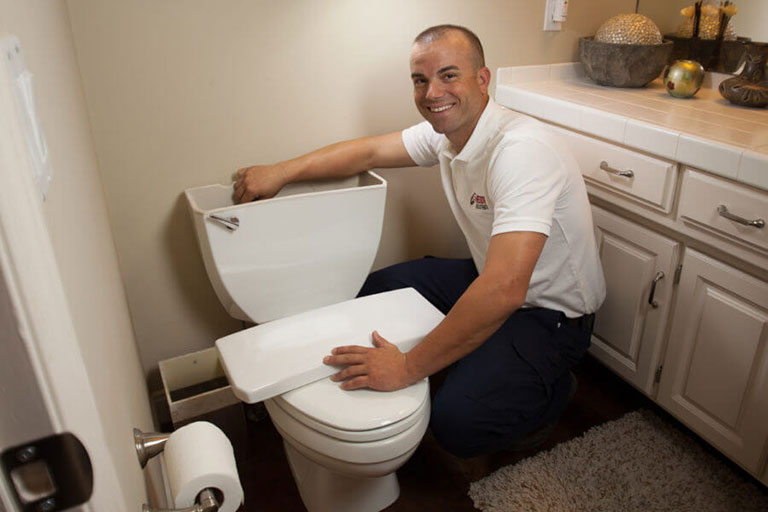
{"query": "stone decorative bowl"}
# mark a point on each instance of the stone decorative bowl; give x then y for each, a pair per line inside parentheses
(623, 65)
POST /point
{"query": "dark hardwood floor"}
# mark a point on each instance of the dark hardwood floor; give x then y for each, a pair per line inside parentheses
(432, 479)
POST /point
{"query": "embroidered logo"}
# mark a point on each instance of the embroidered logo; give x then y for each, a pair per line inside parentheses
(478, 202)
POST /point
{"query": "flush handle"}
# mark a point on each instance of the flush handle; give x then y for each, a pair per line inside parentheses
(231, 223)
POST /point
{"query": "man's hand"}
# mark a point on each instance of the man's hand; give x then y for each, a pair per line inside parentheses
(382, 368)
(258, 182)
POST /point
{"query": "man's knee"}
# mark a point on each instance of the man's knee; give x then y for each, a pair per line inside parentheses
(452, 429)
(455, 427)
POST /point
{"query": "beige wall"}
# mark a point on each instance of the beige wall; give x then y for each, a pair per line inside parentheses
(666, 14)
(752, 20)
(78, 225)
(181, 93)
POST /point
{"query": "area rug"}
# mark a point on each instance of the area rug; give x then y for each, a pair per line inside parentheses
(639, 462)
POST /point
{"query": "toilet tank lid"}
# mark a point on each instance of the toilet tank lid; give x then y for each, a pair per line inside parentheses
(278, 356)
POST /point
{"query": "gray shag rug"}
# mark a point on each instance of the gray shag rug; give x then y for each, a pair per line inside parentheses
(639, 462)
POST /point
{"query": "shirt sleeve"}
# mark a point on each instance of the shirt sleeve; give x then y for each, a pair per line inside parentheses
(422, 142)
(524, 182)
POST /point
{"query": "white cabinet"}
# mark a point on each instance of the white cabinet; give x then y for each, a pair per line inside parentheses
(718, 208)
(715, 376)
(711, 349)
(647, 180)
(677, 197)
(639, 267)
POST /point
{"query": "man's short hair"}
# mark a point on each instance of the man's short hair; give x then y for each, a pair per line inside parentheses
(438, 31)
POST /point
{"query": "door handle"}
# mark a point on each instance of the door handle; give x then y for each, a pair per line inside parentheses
(651, 301)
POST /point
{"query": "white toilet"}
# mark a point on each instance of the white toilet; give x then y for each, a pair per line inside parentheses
(293, 264)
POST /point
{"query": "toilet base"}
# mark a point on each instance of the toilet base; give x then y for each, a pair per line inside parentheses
(323, 490)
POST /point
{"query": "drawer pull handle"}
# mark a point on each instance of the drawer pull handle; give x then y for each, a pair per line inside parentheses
(651, 301)
(629, 173)
(723, 211)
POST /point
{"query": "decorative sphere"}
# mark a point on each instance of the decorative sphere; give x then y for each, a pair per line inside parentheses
(629, 29)
(683, 78)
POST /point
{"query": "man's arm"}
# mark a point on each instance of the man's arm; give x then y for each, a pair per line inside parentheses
(486, 304)
(335, 161)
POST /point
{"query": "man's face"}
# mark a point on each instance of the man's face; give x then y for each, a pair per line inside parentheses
(447, 89)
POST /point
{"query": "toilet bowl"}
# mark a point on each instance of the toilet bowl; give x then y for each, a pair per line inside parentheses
(339, 463)
(293, 264)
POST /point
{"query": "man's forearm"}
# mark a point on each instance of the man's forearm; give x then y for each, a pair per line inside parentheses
(486, 304)
(335, 161)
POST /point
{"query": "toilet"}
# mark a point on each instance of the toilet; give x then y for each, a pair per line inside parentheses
(293, 265)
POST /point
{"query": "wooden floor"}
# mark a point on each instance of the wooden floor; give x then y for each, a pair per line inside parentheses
(432, 479)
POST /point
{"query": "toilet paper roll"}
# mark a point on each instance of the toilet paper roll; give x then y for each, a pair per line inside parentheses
(200, 456)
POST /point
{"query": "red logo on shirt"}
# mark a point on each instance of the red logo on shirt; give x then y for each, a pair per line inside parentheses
(478, 201)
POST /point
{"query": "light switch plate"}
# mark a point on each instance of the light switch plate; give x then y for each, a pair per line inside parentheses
(549, 10)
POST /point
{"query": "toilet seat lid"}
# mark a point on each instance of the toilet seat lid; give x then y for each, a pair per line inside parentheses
(278, 356)
(354, 414)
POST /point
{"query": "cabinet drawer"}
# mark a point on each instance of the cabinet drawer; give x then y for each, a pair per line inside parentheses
(703, 198)
(652, 181)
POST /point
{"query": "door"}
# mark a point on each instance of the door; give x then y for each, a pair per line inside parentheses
(44, 382)
(639, 268)
(715, 376)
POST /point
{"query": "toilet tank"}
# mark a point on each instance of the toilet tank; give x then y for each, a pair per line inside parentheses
(311, 245)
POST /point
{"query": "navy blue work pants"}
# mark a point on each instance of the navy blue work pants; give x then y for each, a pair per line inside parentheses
(515, 382)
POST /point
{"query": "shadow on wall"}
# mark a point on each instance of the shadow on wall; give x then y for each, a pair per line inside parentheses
(431, 228)
(190, 277)
(417, 220)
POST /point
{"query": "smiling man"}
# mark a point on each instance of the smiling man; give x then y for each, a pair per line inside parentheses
(519, 312)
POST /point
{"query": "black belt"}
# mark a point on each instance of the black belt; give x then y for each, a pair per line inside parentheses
(582, 322)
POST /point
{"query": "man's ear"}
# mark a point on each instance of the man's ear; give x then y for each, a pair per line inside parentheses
(484, 78)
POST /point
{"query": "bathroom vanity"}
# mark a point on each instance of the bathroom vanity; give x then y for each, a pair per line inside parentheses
(679, 191)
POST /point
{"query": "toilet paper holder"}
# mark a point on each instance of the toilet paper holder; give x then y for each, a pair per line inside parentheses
(206, 502)
(149, 444)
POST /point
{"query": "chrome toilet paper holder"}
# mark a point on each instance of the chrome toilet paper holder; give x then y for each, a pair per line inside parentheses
(149, 444)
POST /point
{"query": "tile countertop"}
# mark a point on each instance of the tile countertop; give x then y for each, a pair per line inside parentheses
(706, 131)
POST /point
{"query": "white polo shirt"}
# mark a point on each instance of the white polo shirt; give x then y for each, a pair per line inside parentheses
(514, 174)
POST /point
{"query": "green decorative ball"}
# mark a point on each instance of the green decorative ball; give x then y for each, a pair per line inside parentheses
(683, 78)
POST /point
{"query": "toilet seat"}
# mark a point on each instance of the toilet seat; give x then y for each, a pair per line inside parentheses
(361, 415)
(390, 444)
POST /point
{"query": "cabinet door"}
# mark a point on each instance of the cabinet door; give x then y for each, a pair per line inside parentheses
(715, 376)
(629, 327)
